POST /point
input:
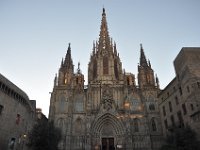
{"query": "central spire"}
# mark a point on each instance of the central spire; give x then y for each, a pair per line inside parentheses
(105, 64)
(104, 39)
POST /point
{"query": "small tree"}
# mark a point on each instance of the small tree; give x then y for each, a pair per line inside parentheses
(181, 139)
(44, 136)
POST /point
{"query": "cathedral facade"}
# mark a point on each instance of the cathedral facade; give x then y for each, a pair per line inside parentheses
(112, 111)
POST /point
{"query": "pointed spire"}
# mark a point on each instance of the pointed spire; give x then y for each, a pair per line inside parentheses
(115, 49)
(55, 80)
(143, 61)
(68, 55)
(104, 39)
(69, 49)
(61, 63)
(68, 63)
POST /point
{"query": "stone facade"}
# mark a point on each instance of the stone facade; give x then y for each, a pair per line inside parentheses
(179, 102)
(16, 115)
(111, 112)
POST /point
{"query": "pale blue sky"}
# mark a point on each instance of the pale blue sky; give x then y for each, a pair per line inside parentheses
(34, 36)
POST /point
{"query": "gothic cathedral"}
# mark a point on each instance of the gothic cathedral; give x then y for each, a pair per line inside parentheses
(112, 112)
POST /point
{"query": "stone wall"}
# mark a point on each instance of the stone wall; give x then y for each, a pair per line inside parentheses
(17, 115)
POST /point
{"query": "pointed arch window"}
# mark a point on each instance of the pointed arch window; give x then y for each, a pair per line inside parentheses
(116, 69)
(1, 109)
(61, 124)
(105, 65)
(136, 125)
(62, 104)
(65, 78)
(78, 125)
(153, 124)
(152, 107)
(148, 78)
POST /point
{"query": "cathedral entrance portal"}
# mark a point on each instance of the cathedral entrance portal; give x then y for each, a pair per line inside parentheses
(107, 144)
(107, 132)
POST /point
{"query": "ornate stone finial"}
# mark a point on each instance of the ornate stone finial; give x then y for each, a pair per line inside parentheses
(69, 49)
(104, 13)
(149, 63)
(79, 65)
(141, 46)
(78, 70)
(157, 82)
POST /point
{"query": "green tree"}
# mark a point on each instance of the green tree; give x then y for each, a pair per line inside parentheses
(44, 136)
(181, 139)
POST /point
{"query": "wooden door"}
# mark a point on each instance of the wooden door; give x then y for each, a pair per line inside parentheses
(108, 144)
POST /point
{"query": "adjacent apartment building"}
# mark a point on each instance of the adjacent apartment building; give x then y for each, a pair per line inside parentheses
(179, 102)
(17, 115)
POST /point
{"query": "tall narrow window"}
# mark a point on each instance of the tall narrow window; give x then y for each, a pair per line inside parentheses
(167, 94)
(116, 70)
(164, 112)
(95, 69)
(176, 99)
(78, 126)
(180, 118)
(136, 125)
(172, 120)
(18, 118)
(65, 79)
(192, 107)
(128, 82)
(153, 124)
(180, 91)
(105, 66)
(170, 106)
(198, 84)
(152, 107)
(188, 89)
(1, 109)
(166, 124)
(62, 104)
(61, 124)
(184, 109)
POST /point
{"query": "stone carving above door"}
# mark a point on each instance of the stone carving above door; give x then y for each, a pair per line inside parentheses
(107, 98)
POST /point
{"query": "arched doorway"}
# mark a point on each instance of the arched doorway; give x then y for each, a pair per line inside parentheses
(107, 132)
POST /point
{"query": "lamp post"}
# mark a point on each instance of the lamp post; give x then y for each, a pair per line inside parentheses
(23, 139)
